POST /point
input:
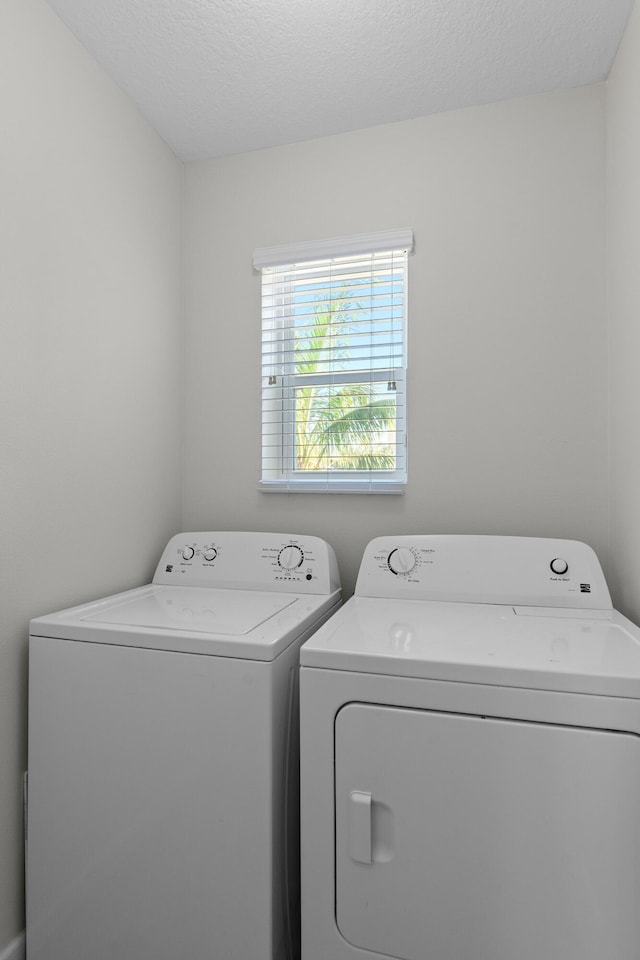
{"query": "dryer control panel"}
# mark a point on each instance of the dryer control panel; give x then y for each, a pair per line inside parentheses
(287, 563)
(521, 571)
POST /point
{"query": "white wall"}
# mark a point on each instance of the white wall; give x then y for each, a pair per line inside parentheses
(507, 378)
(623, 186)
(90, 389)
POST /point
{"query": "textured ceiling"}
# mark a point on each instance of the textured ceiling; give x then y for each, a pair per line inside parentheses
(218, 77)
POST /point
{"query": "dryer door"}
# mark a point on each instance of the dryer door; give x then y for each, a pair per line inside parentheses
(469, 838)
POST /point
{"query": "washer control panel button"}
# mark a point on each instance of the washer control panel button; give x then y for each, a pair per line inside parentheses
(401, 560)
(290, 557)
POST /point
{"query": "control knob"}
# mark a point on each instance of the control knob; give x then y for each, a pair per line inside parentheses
(210, 554)
(290, 557)
(401, 560)
(559, 566)
(188, 553)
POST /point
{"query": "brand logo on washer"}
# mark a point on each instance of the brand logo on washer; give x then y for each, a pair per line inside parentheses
(169, 568)
(585, 588)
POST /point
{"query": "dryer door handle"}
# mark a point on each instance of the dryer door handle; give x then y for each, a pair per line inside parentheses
(360, 826)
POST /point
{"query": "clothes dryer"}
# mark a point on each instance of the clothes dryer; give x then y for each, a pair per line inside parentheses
(470, 758)
(163, 751)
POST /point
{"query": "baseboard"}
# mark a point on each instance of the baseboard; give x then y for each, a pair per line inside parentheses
(15, 950)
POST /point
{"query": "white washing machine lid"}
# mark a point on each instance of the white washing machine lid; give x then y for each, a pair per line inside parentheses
(230, 612)
(578, 651)
(246, 624)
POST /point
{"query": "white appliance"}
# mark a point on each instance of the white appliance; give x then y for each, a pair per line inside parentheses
(163, 778)
(470, 758)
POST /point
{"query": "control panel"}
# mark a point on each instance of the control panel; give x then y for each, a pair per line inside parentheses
(526, 571)
(249, 561)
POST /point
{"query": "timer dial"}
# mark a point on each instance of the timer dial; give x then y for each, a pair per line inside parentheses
(401, 560)
(290, 557)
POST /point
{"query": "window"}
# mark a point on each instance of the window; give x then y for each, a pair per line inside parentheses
(333, 364)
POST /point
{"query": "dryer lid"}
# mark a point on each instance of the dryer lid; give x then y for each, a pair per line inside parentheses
(481, 643)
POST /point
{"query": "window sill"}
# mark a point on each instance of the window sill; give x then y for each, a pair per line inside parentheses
(332, 486)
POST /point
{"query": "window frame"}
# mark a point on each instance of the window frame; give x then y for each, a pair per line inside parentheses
(279, 387)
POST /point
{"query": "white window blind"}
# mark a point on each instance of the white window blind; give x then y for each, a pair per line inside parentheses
(333, 364)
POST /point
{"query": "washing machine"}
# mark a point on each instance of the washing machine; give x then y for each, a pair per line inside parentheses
(163, 756)
(470, 758)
